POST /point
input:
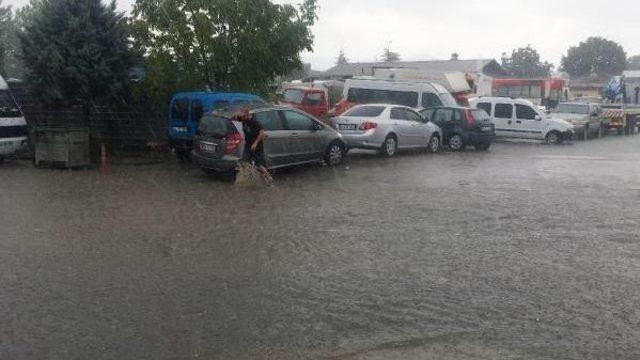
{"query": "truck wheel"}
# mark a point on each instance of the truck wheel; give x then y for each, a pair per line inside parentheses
(554, 138)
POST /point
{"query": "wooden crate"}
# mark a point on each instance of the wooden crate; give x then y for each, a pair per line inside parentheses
(68, 146)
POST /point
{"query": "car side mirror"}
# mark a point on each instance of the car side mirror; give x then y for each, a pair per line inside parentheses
(317, 127)
(538, 118)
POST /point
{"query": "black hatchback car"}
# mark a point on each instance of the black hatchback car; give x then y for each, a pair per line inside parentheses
(462, 126)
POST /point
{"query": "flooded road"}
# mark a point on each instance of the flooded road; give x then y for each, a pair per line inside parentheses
(527, 251)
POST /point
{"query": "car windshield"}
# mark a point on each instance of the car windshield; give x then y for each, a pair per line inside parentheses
(370, 111)
(8, 107)
(572, 109)
(293, 96)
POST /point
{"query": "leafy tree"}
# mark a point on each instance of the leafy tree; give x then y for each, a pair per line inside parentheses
(525, 62)
(221, 44)
(341, 59)
(390, 56)
(596, 55)
(75, 52)
(5, 29)
(455, 56)
(10, 49)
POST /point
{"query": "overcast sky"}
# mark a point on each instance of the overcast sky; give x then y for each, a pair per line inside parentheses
(426, 29)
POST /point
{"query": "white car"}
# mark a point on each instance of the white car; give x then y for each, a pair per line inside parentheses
(519, 118)
(387, 128)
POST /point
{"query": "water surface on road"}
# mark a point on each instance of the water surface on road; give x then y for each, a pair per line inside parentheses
(527, 251)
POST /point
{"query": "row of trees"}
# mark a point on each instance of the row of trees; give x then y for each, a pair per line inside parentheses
(594, 56)
(79, 52)
(386, 56)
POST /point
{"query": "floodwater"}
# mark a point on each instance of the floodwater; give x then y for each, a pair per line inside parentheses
(527, 251)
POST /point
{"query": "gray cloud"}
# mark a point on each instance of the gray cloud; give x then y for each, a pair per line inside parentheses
(422, 30)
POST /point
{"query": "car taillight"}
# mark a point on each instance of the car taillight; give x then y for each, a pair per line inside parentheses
(469, 117)
(232, 143)
(367, 125)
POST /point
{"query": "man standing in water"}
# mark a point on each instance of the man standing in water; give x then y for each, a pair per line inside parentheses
(254, 141)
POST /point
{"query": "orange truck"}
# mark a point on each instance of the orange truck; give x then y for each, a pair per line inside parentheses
(313, 101)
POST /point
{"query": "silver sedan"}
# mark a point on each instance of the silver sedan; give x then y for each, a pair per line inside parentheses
(388, 128)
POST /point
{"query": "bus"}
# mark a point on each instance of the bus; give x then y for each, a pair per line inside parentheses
(13, 126)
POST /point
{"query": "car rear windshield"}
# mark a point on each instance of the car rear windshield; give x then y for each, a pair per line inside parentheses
(480, 115)
(215, 125)
(572, 109)
(371, 111)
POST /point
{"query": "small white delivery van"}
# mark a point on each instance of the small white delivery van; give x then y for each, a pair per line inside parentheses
(13, 126)
(519, 118)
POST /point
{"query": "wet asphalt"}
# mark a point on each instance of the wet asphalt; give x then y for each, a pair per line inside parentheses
(527, 251)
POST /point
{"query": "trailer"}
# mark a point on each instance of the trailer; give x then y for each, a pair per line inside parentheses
(624, 119)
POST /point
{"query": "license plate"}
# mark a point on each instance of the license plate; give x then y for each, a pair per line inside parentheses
(347, 126)
(209, 147)
(181, 129)
(486, 128)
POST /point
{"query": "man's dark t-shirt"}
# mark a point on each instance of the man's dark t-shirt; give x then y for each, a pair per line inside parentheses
(252, 130)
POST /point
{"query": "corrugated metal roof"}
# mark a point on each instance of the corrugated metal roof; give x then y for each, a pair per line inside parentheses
(436, 67)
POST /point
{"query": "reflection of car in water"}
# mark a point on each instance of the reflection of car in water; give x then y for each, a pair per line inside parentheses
(462, 127)
(388, 128)
(13, 126)
(586, 118)
(186, 109)
(293, 138)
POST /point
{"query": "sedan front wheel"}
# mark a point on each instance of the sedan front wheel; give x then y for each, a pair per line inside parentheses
(434, 144)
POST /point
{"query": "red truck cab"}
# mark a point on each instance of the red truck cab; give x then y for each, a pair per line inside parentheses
(310, 100)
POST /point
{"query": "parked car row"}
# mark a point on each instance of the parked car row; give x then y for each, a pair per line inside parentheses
(375, 114)
(295, 137)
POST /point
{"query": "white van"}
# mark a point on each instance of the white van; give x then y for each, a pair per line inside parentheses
(13, 126)
(413, 94)
(519, 118)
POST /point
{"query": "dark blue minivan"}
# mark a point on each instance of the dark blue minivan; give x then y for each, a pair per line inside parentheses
(186, 110)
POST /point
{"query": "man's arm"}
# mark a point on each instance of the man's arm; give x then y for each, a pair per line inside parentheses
(260, 137)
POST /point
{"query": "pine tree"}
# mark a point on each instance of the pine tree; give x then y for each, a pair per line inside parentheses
(75, 52)
(390, 56)
(341, 59)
